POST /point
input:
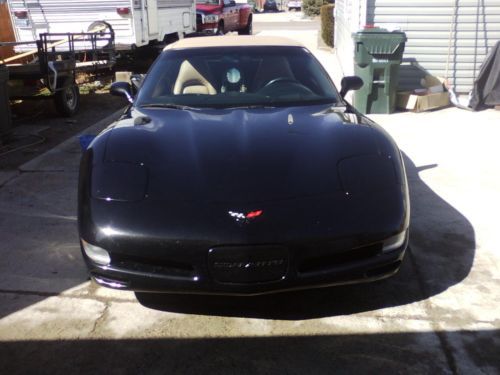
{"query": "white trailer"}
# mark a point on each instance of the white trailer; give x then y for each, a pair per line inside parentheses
(136, 23)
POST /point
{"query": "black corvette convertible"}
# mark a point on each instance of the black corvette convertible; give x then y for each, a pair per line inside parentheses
(239, 169)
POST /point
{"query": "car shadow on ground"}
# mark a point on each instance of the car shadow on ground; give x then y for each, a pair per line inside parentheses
(441, 254)
(387, 353)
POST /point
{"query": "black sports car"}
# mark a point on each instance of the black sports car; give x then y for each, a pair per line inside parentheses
(239, 169)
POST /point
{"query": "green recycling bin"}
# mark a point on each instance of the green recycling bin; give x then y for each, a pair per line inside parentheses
(5, 119)
(377, 56)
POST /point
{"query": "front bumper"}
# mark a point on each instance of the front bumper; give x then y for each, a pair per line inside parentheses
(303, 270)
(207, 28)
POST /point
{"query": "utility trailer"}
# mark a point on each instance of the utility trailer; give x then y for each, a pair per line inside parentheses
(136, 23)
(59, 58)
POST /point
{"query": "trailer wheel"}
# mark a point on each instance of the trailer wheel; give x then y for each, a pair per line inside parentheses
(67, 100)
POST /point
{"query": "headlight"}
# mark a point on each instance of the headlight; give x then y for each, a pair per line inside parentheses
(394, 242)
(97, 254)
(211, 18)
(366, 173)
(117, 181)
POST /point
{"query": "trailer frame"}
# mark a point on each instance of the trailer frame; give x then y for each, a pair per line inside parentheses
(59, 57)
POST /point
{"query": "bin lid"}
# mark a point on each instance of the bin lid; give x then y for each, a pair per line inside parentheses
(379, 32)
(380, 41)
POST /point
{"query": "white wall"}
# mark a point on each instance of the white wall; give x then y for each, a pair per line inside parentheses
(350, 16)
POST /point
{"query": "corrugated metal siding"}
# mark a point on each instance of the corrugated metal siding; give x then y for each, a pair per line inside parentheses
(76, 15)
(174, 3)
(442, 40)
(167, 3)
(59, 16)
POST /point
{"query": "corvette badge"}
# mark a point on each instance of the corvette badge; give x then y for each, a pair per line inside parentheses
(241, 217)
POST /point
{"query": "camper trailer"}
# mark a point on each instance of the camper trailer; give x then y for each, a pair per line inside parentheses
(135, 23)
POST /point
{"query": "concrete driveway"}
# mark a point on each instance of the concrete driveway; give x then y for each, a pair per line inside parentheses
(439, 314)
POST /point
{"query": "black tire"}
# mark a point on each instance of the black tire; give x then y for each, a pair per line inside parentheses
(248, 29)
(67, 100)
(220, 29)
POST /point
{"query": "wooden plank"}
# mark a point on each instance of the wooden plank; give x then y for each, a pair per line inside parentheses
(6, 32)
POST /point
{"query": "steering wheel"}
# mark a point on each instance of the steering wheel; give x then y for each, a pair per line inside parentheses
(280, 80)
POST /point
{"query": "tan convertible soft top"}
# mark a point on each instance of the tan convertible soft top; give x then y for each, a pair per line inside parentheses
(232, 41)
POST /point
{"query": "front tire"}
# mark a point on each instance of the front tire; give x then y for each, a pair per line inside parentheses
(220, 29)
(248, 29)
(67, 100)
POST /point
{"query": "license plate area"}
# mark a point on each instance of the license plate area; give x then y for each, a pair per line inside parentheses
(248, 264)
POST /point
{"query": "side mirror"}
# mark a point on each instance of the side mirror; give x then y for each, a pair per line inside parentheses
(350, 83)
(122, 89)
(137, 80)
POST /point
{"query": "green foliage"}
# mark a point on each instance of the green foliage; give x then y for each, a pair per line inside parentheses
(312, 8)
(327, 24)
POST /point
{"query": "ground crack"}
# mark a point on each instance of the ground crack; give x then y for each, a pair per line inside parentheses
(101, 318)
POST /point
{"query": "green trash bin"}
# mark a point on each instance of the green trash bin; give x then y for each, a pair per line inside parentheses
(377, 56)
(5, 118)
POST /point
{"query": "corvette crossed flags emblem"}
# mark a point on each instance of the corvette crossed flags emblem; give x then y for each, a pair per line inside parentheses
(242, 217)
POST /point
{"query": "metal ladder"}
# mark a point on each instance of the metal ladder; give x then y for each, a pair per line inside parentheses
(31, 5)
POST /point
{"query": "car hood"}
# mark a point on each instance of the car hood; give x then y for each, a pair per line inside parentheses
(208, 9)
(240, 155)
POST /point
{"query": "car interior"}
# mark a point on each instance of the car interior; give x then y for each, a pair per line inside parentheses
(237, 78)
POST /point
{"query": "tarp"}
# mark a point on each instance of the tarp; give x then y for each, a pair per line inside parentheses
(486, 91)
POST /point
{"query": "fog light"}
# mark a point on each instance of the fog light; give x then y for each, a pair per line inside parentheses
(394, 242)
(97, 254)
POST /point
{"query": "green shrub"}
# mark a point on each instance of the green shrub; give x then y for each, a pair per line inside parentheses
(327, 24)
(312, 7)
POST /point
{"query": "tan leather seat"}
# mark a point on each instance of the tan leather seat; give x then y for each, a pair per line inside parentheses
(196, 89)
(191, 81)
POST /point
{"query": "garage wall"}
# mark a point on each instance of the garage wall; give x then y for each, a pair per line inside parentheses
(446, 38)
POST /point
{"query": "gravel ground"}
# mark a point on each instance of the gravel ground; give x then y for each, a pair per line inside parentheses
(37, 127)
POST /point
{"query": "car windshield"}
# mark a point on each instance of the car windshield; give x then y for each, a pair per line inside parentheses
(228, 77)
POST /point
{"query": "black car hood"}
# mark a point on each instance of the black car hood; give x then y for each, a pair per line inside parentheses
(240, 155)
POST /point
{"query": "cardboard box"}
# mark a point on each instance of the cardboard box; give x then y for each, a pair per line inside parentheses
(421, 103)
(123, 76)
(432, 95)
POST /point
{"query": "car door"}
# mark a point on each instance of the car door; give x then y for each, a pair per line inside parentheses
(231, 16)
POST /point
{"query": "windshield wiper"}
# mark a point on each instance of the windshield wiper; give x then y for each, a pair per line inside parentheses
(168, 105)
(251, 106)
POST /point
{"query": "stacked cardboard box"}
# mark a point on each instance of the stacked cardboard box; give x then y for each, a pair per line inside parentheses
(433, 95)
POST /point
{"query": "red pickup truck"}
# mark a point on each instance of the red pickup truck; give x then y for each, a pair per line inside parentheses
(221, 16)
